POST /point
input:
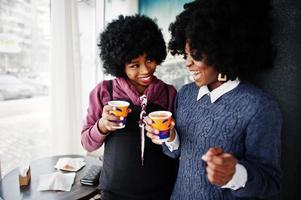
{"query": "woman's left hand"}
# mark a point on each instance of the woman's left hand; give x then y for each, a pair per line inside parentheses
(220, 166)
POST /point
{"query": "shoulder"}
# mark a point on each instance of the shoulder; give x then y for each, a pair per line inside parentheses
(101, 86)
(250, 91)
(101, 91)
(171, 89)
(256, 98)
(189, 88)
(186, 93)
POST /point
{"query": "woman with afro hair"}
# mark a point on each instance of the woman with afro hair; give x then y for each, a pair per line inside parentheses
(131, 47)
(227, 130)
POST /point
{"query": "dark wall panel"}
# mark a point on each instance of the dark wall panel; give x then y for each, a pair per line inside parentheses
(284, 82)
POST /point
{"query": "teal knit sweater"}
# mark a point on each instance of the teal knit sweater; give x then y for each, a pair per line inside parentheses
(245, 122)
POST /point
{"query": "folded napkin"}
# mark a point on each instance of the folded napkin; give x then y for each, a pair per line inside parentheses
(56, 181)
(70, 164)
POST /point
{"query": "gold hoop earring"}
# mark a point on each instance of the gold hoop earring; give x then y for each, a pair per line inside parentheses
(221, 77)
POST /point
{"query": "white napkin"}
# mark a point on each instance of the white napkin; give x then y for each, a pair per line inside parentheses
(56, 181)
(70, 164)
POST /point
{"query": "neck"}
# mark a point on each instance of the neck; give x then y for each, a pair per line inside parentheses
(140, 89)
(214, 85)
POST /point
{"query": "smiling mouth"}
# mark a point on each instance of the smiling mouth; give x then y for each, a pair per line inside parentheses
(145, 79)
(196, 74)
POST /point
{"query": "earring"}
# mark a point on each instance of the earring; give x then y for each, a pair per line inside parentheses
(221, 77)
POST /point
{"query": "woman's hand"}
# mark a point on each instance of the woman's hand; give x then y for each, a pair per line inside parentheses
(153, 133)
(108, 120)
(220, 166)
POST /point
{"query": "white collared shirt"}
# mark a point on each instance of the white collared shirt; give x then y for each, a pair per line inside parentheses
(219, 91)
(240, 176)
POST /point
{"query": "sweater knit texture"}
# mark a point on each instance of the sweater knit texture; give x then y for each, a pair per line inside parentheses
(245, 122)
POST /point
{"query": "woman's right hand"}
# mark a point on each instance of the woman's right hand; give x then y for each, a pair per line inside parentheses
(153, 133)
(108, 120)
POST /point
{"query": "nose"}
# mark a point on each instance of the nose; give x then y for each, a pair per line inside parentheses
(188, 61)
(144, 68)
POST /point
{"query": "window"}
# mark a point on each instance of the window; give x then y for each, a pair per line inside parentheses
(172, 70)
(25, 40)
(24, 81)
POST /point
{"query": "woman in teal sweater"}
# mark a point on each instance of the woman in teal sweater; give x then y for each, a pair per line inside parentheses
(227, 130)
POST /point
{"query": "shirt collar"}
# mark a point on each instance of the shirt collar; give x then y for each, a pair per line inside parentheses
(219, 91)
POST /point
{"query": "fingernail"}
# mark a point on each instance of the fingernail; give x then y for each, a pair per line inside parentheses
(121, 118)
(148, 121)
(155, 137)
(114, 108)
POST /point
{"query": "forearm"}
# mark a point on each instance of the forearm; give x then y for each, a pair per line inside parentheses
(92, 138)
(263, 181)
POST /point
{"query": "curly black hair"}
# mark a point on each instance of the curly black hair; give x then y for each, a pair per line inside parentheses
(234, 35)
(127, 38)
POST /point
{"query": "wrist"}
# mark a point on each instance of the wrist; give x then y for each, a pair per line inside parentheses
(101, 127)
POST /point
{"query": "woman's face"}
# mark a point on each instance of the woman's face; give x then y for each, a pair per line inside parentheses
(202, 73)
(140, 72)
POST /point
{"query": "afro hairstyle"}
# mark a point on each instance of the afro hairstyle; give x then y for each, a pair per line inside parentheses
(234, 35)
(127, 38)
